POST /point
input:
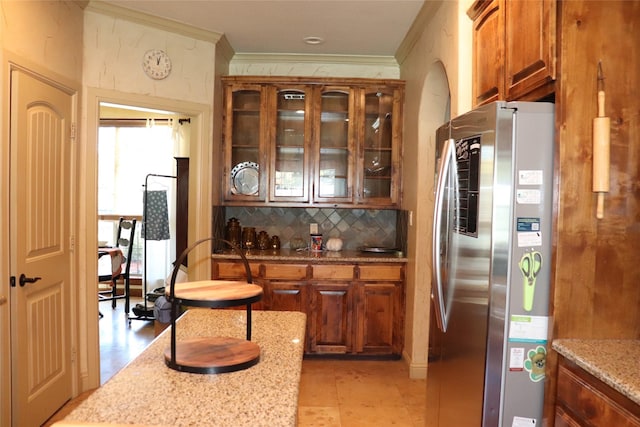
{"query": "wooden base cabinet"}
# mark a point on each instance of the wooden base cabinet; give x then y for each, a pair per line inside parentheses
(331, 318)
(352, 309)
(378, 315)
(286, 296)
(583, 400)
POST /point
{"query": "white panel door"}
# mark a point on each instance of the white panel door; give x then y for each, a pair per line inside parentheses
(40, 248)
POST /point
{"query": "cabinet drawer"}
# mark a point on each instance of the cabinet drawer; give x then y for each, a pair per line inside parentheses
(233, 270)
(380, 272)
(337, 272)
(285, 271)
(594, 402)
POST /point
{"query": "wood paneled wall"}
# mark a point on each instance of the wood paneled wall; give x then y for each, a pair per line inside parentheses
(597, 262)
(596, 284)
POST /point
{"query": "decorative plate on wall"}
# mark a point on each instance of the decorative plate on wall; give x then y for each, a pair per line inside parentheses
(245, 178)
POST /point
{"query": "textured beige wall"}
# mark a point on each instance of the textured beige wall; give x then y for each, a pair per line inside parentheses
(113, 53)
(44, 34)
(438, 62)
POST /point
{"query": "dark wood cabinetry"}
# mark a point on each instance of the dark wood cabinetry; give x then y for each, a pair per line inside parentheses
(514, 49)
(182, 205)
(530, 48)
(488, 51)
(380, 312)
(352, 308)
(331, 316)
(286, 296)
(583, 400)
(245, 132)
(284, 286)
(594, 282)
(320, 142)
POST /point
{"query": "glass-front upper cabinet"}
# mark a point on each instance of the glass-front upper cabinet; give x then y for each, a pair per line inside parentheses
(379, 146)
(324, 142)
(245, 143)
(334, 145)
(289, 180)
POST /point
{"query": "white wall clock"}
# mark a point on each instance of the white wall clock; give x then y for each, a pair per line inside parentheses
(156, 64)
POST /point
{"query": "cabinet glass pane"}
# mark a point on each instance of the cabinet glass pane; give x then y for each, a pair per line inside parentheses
(290, 141)
(334, 145)
(377, 156)
(246, 127)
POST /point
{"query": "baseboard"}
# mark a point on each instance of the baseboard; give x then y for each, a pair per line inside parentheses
(417, 371)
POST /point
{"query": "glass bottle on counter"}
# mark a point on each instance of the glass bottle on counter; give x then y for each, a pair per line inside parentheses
(263, 240)
(249, 237)
(234, 232)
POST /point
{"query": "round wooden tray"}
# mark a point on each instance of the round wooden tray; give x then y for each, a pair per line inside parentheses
(216, 293)
(212, 355)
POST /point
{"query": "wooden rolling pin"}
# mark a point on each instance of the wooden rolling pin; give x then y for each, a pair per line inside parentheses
(601, 135)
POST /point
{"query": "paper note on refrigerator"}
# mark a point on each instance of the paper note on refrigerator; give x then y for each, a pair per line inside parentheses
(516, 359)
(523, 422)
(528, 328)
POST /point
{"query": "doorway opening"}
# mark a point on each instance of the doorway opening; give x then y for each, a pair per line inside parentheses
(199, 150)
(137, 151)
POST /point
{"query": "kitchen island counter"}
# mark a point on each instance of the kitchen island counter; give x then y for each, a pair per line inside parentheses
(614, 362)
(146, 392)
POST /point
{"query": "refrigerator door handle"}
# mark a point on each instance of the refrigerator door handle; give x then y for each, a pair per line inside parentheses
(437, 288)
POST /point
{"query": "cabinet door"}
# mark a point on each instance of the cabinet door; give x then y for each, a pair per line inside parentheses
(562, 419)
(291, 127)
(334, 143)
(530, 48)
(245, 143)
(233, 270)
(330, 322)
(286, 296)
(380, 144)
(488, 52)
(590, 401)
(379, 319)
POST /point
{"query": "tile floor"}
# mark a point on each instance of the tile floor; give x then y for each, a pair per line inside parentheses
(353, 393)
(333, 393)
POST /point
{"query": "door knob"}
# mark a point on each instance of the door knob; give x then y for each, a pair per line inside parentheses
(3, 299)
(24, 279)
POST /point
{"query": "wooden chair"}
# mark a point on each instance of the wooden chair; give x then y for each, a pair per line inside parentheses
(124, 243)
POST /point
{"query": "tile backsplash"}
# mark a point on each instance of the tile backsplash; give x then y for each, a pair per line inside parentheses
(356, 227)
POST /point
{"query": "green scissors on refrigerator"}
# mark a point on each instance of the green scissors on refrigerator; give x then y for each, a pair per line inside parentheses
(530, 265)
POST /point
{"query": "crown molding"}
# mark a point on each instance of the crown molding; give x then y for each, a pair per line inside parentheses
(153, 21)
(428, 10)
(225, 48)
(257, 58)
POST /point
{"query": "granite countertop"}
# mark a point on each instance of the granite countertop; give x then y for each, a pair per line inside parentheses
(146, 392)
(614, 362)
(313, 257)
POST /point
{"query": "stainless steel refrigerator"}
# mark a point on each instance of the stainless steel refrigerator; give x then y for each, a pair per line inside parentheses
(491, 266)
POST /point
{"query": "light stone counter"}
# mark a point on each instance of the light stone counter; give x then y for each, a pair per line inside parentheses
(146, 392)
(313, 257)
(614, 362)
